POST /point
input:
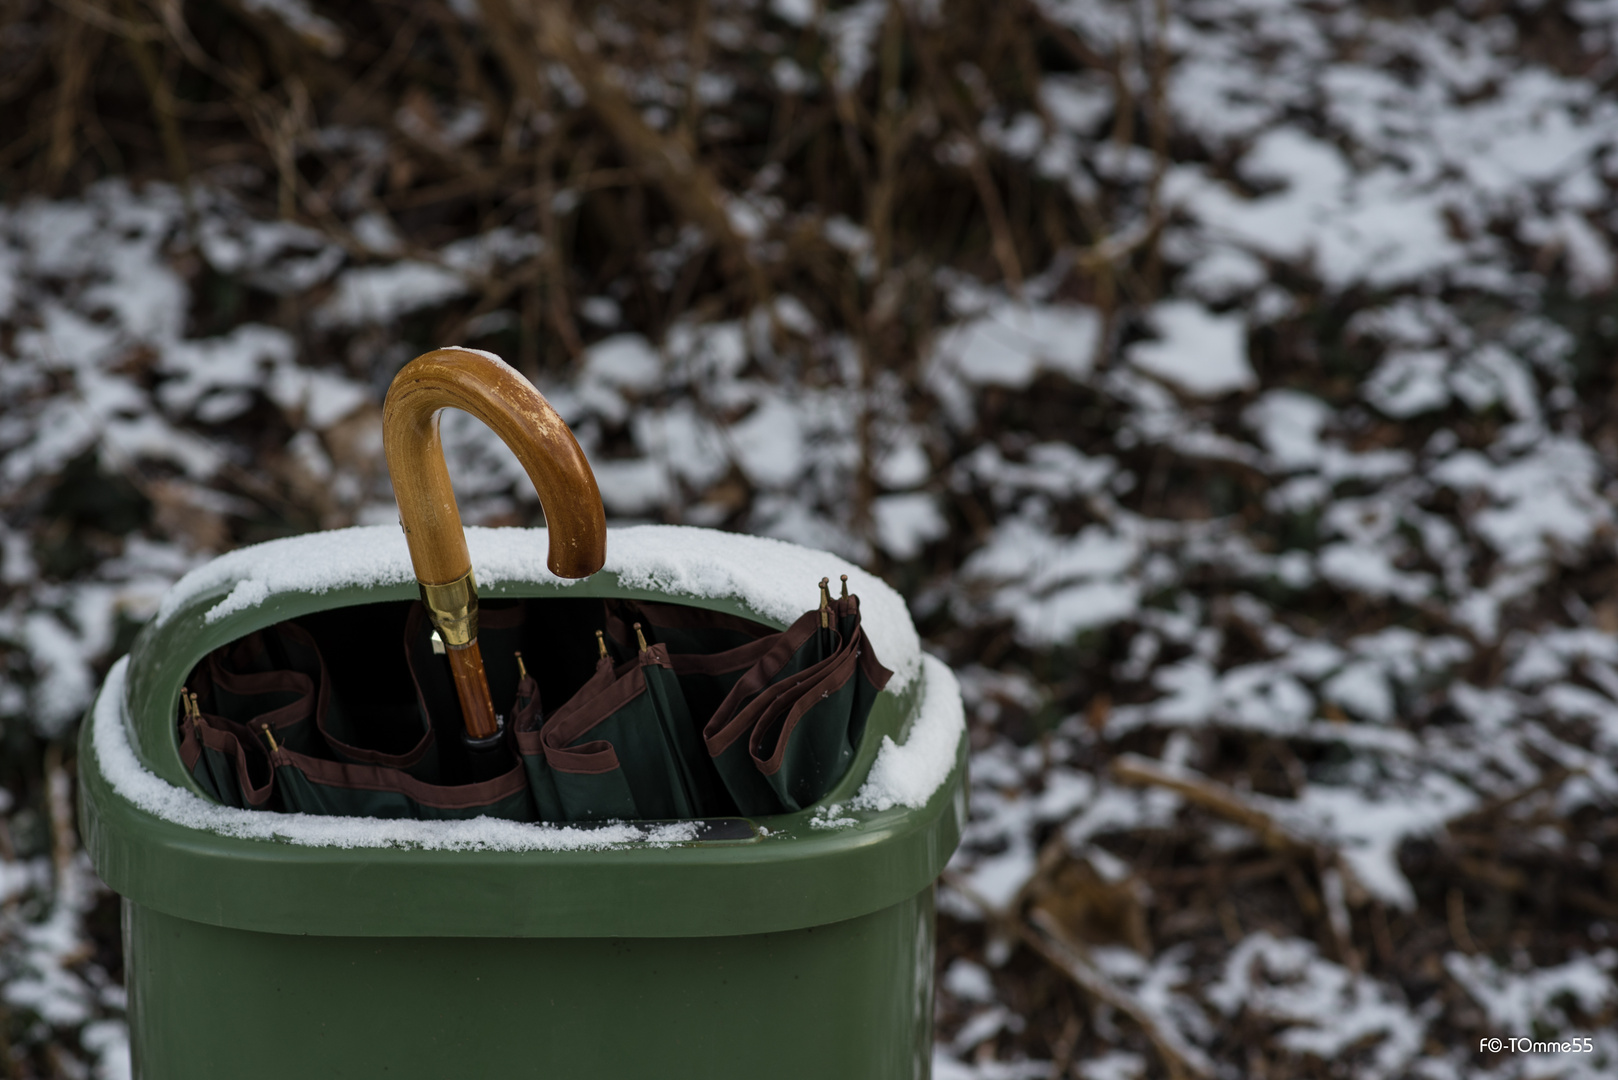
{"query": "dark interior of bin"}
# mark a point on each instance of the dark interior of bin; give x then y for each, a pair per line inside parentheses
(364, 649)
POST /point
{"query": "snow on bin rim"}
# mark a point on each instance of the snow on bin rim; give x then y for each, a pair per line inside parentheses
(775, 578)
(906, 774)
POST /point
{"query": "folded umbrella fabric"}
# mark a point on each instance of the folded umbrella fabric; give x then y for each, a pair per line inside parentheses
(790, 723)
(278, 747)
(625, 746)
(808, 728)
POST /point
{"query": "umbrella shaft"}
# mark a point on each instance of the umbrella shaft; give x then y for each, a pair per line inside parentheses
(472, 686)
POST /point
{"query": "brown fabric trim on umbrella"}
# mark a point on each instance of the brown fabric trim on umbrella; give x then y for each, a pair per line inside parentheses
(585, 710)
(372, 778)
(190, 745)
(830, 679)
(530, 740)
(722, 730)
(721, 663)
(229, 741)
(591, 758)
(316, 695)
(268, 682)
(572, 720)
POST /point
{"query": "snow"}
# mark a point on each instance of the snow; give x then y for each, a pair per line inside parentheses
(1325, 1008)
(1012, 343)
(769, 443)
(624, 360)
(906, 523)
(65, 683)
(1054, 587)
(773, 578)
(945, 1067)
(1199, 352)
(317, 29)
(910, 773)
(633, 487)
(1368, 829)
(1289, 424)
(381, 294)
(968, 981)
(1517, 1001)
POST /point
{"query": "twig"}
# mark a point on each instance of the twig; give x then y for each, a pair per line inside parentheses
(162, 99)
(684, 180)
(59, 804)
(1045, 936)
(1134, 769)
(1455, 905)
(1158, 91)
(994, 211)
(75, 53)
(556, 291)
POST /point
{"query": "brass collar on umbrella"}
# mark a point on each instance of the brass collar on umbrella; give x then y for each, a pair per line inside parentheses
(454, 610)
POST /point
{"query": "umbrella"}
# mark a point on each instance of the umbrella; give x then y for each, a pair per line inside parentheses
(690, 713)
(790, 724)
(781, 712)
(264, 728)
(506, 402)
(625, 746)
(807, 733)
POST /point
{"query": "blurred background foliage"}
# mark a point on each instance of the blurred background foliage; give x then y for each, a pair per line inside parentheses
(1227, 384)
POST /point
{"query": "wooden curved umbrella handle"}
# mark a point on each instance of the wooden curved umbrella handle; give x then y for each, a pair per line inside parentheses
(485, 387)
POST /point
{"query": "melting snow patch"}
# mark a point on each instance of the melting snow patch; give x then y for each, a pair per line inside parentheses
(906, 523)
(1327, 1008)
(1199, 352)
(1368, 830)
(1518, 1003)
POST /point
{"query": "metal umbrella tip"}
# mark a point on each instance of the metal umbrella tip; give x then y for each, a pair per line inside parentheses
(522, 669)
(640, 638)
(601, 642)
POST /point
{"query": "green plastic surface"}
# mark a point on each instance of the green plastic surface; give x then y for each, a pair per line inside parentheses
(851, 1000)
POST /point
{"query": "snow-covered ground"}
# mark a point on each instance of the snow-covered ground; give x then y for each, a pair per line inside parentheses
(1284, 605)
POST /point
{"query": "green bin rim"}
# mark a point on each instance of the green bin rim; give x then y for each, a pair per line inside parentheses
(794, 872)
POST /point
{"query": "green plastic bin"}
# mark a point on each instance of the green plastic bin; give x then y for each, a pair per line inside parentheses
(268, 945)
